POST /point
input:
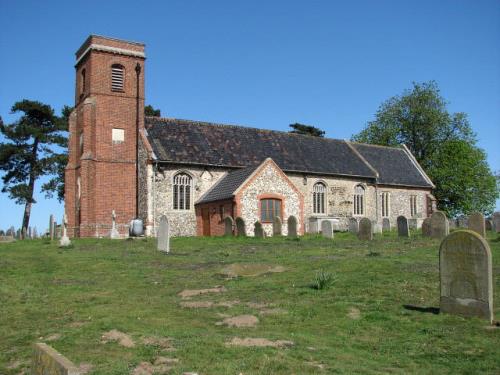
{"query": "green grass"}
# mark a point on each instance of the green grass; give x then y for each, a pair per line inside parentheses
(129, 286)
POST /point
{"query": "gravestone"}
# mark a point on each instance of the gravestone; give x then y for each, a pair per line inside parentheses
(313, 225)
(23, 233)
(403, 230)
(240, 227)
(163, 237)
(488, 224)
(452, 223)
(257, 230)
(11, 232)
(277, 226)
(327, 229)
(426, 227)
(496, 221)
(228, 226)
(386, 224)
(35, 232)
(376, 227)
(465, 270)
(64, 241)
(30, 233)
(476, 223)
(365, 229)
(114, 234)
(51, 227)
(353, 225)
(439, 225)
(2, 233)
(47, 361)
(462, 222)
(412, 223)
(292, 226)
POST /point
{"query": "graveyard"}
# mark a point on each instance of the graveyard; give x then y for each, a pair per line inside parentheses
(231, 305)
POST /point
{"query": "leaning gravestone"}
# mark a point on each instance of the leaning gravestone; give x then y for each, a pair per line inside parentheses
(465, 271)
(163, 237)
(228, 226)
(353, 225)
(386, 224)
(476, 223)
(292, 226)
(365, 229)
(426, 227)
(277, 227)
(257, 230)
(326, 229)
(439, 225)
(496, 221)
(240, 227)
(47, 361)
(403, 229)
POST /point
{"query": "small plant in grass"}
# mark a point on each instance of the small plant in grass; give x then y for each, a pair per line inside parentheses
(323, 280)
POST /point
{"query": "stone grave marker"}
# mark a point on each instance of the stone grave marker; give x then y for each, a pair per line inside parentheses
(240, 227)
(376, 227)
(51, 227)
(426, 227)
(439, 225)
(113, 234)
(452, 223)
(327, 229)
(277, 227)
(24, 235)
(477, 224)
(258, 231)
(403, 229)
(496, 221)
(47, 361)
(465, 269)
(353, 225)
(292, 226)
(365, 229)
(64, 241)
(386, 224)
(488, 224)
(462, 222)
(163, 236)
(228, 226)
(412, 223)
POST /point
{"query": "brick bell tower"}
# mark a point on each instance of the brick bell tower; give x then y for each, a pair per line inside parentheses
(101, 171)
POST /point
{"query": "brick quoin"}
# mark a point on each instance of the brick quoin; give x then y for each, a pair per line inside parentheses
(100, 176)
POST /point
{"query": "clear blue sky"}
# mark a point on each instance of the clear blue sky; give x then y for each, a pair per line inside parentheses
(263, 63)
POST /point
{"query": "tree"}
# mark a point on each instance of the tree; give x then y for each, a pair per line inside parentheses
(30, 151)
(306, 130)
(150, 111)
(419, 118)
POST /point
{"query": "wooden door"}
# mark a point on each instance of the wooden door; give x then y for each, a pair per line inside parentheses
(205, 215)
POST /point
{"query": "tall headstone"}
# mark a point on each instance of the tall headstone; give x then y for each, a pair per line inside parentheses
(439, 225)
(365, 229)
(277, 230)
(114, 234)
(466, 275)
(51, 227)
(163, 236)
(386, 224)
(257, 230)
(353, 225)
(426, 227)
(496, 221)
(228, 226)
(292, 226)
(403, 229)
(476, 223)
(326, 229)
(240, 227)
(64, 241)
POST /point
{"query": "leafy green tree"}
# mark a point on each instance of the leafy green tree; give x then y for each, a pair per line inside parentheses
(150, 111)
(31, 149)
(306, 130)
(442, 142)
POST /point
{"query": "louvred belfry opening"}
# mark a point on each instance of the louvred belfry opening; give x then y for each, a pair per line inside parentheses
(117, 77)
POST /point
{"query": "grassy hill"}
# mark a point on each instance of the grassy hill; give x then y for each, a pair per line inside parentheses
(378, 315)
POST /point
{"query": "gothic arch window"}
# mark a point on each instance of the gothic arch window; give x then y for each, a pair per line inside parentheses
(182, 183)
(359, 200)
(117, 77)
(319, 197)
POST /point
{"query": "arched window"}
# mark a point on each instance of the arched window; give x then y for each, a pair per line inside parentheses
(359, 200)
(182, 191)
(117, 77)
(319, 190)
(83, 81)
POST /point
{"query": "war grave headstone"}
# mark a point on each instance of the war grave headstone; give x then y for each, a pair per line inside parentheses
(465, 269)
(365, 229)
(292, 226)
(426, 227)
(326, 229)
(386, 224)
(240, 227)
(163, 237)
(403, 229)
(439, 225)
(277, 226)
(476, 223)
(228, 226)
(258, 231)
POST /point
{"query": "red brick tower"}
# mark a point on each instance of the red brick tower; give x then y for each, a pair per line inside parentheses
(101, 170)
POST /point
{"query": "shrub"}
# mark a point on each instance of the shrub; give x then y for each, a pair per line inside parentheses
(323, 280)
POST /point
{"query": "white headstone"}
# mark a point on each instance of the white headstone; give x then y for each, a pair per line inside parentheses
(163, 240)
(64, 241)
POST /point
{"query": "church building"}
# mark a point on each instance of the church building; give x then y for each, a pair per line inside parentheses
(198, 173)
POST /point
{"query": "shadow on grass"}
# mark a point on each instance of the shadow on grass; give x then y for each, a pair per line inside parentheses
(432, 310)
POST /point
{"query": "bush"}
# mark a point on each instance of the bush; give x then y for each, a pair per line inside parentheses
(323, 280)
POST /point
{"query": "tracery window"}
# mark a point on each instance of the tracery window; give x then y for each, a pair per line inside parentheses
(182, 191)
(319, 190)
(359, 200)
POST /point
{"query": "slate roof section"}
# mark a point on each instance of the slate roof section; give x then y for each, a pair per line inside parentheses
(393, 165)
(227, 185)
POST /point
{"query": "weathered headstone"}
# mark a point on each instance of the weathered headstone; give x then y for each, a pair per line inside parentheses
(277, 226)
(113, 233)
(386, 224)
(426, 227)
(403, 230)
(412, 223)
(163, 236)
(51, 227)
(353, 225)
(228, 226)
(465, 269)
(488, 224)
(462, 222)
(64, 241)
(365, 229)
(292, 226)
(240, 227)
(47, 361)
(326, 229)
(476, 223)
(439, 225)
(452, 223)
(257, 230)
(376, 227)
(496, 221)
